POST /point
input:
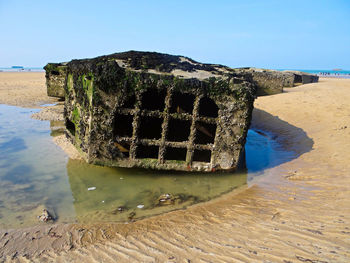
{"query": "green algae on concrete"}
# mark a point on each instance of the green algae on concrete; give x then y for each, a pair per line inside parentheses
(153, 110)
(55, 79)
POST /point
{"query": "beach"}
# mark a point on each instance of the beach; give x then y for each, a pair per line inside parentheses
(298, 211)
(26, 89)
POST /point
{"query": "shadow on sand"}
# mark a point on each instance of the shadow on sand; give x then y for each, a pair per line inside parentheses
(287, 142)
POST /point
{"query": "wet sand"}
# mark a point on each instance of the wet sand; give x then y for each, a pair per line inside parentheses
(298, 212)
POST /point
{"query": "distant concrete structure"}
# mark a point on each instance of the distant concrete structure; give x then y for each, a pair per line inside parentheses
(302, 77)
(55, 79)
(269, 82)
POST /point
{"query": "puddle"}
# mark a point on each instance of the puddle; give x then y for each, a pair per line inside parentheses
(262, 152)
(35, 173)
(153, 192)
(57, 128)
(48, 105)
(32, 169)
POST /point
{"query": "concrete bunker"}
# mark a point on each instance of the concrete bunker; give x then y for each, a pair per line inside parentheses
(152, 110)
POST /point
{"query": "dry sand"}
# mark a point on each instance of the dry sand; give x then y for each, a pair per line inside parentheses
(298, 212)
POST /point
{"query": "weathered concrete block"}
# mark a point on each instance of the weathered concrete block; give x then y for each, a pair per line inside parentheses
(55, 79)
(309, 78)
(152, 110)
(302, 77)
(269, 82)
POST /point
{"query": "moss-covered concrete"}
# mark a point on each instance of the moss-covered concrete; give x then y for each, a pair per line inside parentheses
(270, 82)
(55, 79)
(115, 104)
(267, 82)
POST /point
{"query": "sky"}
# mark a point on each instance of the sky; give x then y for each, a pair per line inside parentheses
(276, 34)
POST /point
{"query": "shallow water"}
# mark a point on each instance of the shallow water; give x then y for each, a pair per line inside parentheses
(35, 173)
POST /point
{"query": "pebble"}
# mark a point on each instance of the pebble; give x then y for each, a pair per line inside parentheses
(131, 215)
(166, 199)
(45, 216)
(91, 188)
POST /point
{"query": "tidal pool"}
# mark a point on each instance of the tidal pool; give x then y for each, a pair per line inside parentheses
(37, 174)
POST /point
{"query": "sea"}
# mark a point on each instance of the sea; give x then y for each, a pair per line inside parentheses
(21, 69)
(324, 72)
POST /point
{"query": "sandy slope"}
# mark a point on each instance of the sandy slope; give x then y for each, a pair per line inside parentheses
(298, 212)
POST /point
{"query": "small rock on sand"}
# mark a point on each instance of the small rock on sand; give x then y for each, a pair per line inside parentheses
(45, 216)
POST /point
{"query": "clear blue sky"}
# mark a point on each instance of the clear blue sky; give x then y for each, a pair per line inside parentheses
(299, 34)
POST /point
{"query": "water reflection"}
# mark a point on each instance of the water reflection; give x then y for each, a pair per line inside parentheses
(118, 192)
(33, 171)
(57, 128)
(263, 151)
(12, 145)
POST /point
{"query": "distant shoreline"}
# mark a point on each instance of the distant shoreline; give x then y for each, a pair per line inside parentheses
(24, 69)
(335, 76)
(323, 73)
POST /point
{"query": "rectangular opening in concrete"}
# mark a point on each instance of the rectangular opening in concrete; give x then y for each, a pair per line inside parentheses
(201, 156)
(178, 154)
(153, 99)
(124, 148)
(130, 102)
(150, 128)
(182, 103)
(298, 79)
(54, 72)
(147, 152)
(123, 125)
(178, 130)
(208, 108)
(70, 126)
(205, 133)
